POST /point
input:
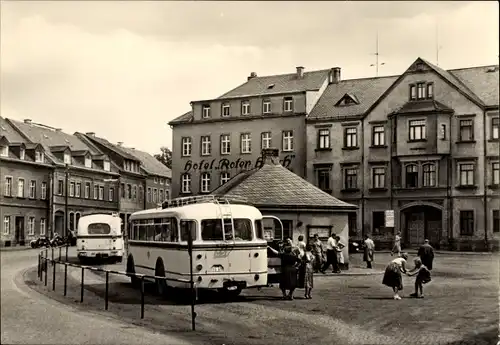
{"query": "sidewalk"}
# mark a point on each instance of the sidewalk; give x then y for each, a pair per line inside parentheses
(440, 252)
(353, 271)
(14, 249)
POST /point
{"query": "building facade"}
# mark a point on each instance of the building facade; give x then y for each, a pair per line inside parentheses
(423, 144)
(222, 137)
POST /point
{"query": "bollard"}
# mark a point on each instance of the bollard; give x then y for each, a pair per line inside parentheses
(39, 266)
(46, 270)
(65, 278)
(81, 288)
(67, 252)
(60, 253)
(53, 275)
(142, 297)
(107, 290)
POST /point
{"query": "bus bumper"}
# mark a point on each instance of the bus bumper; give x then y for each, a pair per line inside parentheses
(243, 281)
(100, 254)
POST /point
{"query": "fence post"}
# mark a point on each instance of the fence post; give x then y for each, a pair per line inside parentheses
(81, 288)
(65, 278)
(46, 271)
(53, 275)
(142, 297)
(67, 245)
(39, 266)
(107, 289)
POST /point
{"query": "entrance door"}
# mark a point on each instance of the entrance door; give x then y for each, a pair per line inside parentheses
(20, 230)
(415, 225)
(59, 223)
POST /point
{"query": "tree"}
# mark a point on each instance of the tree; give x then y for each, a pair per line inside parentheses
(165, 157)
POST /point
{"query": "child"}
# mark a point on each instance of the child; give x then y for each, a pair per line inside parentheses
(308, 262)
(423, 277)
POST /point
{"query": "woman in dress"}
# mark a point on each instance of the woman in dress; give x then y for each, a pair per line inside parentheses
(308, 263)
(396, 248)
(393, 274)
(340, 254)
(301, 246)
(289, 264)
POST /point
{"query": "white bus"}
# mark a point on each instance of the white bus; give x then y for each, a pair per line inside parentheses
(100, 236)
(229, 251)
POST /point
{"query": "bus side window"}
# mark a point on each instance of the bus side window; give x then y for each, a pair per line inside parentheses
(259, 229)
(242, 229)
(174, 230)
(211, 230)
(158, 230)
(186, 227)
(142, 230)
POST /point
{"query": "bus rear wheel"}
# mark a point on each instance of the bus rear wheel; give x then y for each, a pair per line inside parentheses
(131, 270)
(161, 284)
(229, 294)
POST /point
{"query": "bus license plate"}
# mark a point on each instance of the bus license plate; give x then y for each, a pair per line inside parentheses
(231, 288)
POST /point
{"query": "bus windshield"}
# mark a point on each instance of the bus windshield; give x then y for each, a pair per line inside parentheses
(211, 230)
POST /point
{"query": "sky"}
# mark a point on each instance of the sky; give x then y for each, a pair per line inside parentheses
(124, 69)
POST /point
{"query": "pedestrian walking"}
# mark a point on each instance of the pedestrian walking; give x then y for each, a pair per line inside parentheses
(396, 248)
(340, 254)
(318, 252)
(331, 255)
(423, 277)
(426, 254)
(289, 265)
(393, 274)
(368, 251)
(308, 262)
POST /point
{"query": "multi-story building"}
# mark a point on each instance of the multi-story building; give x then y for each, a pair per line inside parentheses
(424, 145)
(221, 137)
(144, 182)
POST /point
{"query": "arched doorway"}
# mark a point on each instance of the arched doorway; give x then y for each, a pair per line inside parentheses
(59, 223)
(422, 222)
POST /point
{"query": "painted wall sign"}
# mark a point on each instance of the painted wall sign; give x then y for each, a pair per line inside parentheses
(227, 164)
(389, 218)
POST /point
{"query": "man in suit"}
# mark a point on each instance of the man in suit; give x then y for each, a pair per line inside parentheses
(426, 254)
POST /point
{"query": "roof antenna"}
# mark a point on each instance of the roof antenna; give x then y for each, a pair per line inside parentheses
(438, 47)
(377, 64)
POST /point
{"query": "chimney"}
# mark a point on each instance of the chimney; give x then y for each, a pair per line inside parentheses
(300, 72)
(120, 143)
(27, 121)
(334, 77)
(271, 156)
(252, 75)
(90, 134)
(58, 129)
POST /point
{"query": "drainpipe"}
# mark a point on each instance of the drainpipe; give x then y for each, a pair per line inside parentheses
(66, 201)
(363, 179)
(50, 193)
(485, 187)
(449, 178)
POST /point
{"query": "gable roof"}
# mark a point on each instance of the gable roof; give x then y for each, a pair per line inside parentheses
(183, 118)
(150, 164)
(10, 133)
(273, 185)
(366, 91)
(482, 81)
(283, 83)
(115, 148)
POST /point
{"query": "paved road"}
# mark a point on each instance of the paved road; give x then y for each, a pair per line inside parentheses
(31, 318)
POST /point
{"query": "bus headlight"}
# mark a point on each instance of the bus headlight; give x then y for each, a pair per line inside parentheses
(199, 267)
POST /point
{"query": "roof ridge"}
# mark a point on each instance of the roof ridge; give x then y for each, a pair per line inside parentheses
(472, 67)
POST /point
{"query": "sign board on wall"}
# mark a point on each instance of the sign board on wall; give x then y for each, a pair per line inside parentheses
(226, 164)
(389, 218)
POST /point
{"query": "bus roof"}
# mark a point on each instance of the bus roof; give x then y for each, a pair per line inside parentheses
(207, 210)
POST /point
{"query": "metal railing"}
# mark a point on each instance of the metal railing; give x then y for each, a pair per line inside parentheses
(188, 200)
(43, 270)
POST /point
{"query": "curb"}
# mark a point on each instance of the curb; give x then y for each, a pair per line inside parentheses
(414, 252)
(15, 249)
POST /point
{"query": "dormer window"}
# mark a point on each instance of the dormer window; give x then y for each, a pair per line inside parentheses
(206, 111)
(420, 66)
(39, 158)
(347, 99)
(22, 153)
(421, 91)
(107, 166)
(67, 158)
(4, 151)
(226, 110)
(88, 162)
(270, 86)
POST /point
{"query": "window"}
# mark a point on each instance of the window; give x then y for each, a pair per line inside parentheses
(495, 173)
(99, 229)
(71, 189)
(466, 130)
(246, 143)
(4, 151)
(44, 191)
(107, 166)
(188, 226)
(496, 220)
(205, 111)
(141, 193)
(77, 219)
(205, 182)
(466, 223)
(352, 223)
(71, 224)
(495, 128)
(20, 188)
(417, 130)
(186, 146)
(8, 186)
(129, 191)
(88, 162)
(185, 183)
(443, 132)
(429, 175)
(78, 191)
(287, 140)
(287, 229)
(6, 225)
(466, 174)
(155, 195)
(31, 226)
(430, 90)
(150, 195)
(378, 136)
(32, 193)
(134, 192)
(123, 190)
(101, 192)
(421, 91)
(378, 222)
(226, 109)
(160, 196)
(224, 177)
(87, 190)
(43, 226)
(288, 104)
(96, 192)
(155, 180)
(265, 140)
(245, 108)
(324, 139)
(242, 229)
(162, 181)
(39, 156)
(351, 137)
(378, 179)
(323, 178)
(22, 153)
(67, 158)
(259, 229)
(225, 144)
(413, 92)
(266, 106)
(211, 230)
(111, 194)
(411, 176)
(351, 178)
(60, 187)
(206, 145)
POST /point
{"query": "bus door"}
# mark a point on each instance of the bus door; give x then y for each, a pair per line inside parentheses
(273, 233)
